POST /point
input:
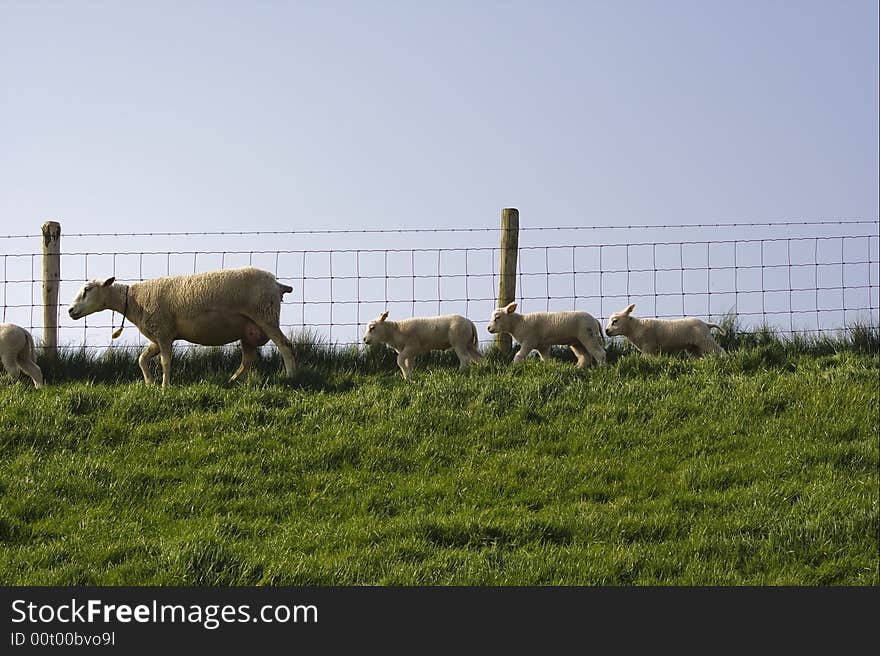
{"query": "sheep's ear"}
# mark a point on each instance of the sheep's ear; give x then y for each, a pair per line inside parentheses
(109, 281)
(510, 307)
(629, 309)
(383, 316)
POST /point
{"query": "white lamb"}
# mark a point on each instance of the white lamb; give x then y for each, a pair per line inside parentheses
(411, 337)
(17, 353)
(664, 335)
(211, 308)
(538, 331)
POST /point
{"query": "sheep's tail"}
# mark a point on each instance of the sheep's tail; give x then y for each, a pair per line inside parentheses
(475, 342)
(715, 325)
(284, 289)
(599, 328)
(29, 342)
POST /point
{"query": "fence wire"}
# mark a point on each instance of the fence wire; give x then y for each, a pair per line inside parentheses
(816, 277)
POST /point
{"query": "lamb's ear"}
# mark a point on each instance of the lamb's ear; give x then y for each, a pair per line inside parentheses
(383, 316)
(109, 281)
(510, 307)
(629, 309)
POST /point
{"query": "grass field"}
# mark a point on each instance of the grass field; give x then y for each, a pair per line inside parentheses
(760, 467)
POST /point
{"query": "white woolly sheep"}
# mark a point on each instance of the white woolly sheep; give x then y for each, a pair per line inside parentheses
(538, 331)
(211, 308)
(411, 337)
(17, 353)
(664, 335)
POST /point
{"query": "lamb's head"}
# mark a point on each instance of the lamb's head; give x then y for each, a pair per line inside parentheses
(500, 321)
(377, 330)
(91, 298)
(618, 323)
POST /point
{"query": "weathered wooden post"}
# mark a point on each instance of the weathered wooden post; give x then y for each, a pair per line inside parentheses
(51, 282)
(507, 282)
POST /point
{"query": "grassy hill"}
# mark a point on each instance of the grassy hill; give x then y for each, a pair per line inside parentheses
(760, 467)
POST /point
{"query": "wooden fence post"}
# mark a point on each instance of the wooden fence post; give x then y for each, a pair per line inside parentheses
(51, 282)
(507, 282)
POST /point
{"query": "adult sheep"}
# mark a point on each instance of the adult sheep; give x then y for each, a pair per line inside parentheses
(17, 353)
(211, 308)
(411, 337)
(538, 331)
(652, 336)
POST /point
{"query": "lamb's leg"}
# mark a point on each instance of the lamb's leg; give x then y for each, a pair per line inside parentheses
(165, 354)
(273, 331)
(150, 352)
(464, 357)
(404, 364)
(474, 353)
(524, 350)
(590, 343)
(248, 356)
(31, 369)
(544, 351)
(713, 347)
(11, 366)
(582, 355)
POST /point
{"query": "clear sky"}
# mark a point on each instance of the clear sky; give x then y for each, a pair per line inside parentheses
(228, 116)
(271, 115)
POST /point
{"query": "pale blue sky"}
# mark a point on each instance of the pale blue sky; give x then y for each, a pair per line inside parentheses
(198, 116)
(232, 115)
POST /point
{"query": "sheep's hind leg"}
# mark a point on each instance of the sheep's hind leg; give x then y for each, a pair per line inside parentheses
(11, 366)
(544, 351)
(31, 369)
(474, 353)
(591, 345)
(713, 347)
(582, 355)
(248, 356)
(165, 354)
(150, 352)
(284, 345)
(464, 356)
(403, 361)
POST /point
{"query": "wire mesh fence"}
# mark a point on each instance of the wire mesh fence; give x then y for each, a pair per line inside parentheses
(792, 276)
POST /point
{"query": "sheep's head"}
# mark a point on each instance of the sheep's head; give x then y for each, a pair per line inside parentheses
(91, 298)
(377, 330)
(499, 322)
(618, 323)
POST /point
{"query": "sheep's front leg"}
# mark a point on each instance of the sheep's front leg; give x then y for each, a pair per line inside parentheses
(524, 350)
(403, 361)
(544, 351)
(165, 354)
(150, 352)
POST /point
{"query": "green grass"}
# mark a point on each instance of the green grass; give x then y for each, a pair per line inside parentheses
(758, 468)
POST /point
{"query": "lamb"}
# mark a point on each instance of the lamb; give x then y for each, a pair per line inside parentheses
(210, 308)
(17, 353)
(411, 337)
(538, 331)
(664, 335)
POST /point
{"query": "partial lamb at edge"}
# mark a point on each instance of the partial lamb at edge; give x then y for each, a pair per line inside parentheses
(17, 353)
(651, 336)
